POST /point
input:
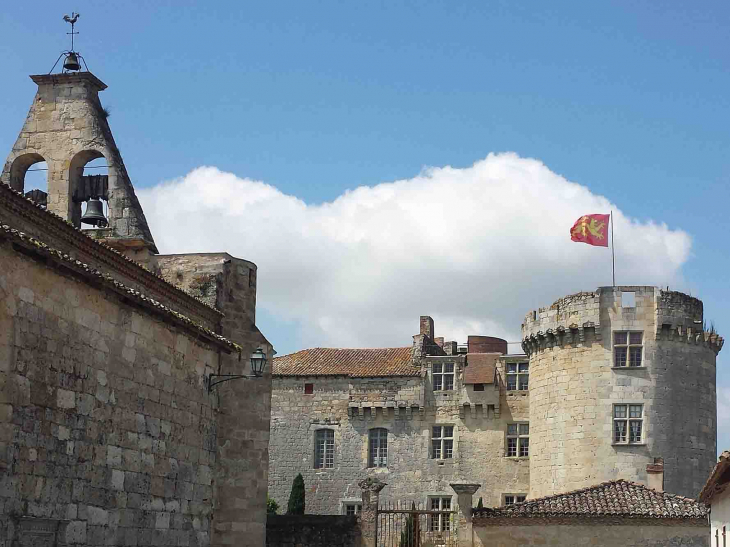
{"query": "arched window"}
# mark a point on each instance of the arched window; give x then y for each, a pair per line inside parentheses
(378, 453)
(89, 176)
(23, 181)
(324, 449)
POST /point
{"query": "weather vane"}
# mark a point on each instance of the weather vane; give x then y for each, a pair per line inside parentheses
(71, 62)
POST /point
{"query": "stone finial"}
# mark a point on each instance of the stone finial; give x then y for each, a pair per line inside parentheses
(465, 488)
(371, 484)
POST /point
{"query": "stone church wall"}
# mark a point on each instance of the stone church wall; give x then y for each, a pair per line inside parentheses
(106, 422)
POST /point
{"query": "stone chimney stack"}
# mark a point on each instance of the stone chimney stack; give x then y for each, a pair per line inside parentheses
(655, 475)
(427, 327)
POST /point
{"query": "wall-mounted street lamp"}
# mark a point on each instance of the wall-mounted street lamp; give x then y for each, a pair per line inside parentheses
(258, 364)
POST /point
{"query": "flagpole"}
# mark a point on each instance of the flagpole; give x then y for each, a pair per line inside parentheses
(613, 256)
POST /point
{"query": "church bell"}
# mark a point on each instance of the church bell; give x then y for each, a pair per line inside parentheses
(71, 62)
(94, 214)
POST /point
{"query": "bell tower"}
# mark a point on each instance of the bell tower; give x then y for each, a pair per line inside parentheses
(67, 128)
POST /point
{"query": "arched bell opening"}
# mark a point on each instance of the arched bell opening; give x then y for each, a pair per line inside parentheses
(89, 177)
(29, 175)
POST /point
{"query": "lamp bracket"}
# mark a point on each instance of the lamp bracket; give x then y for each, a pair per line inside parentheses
(225, 378)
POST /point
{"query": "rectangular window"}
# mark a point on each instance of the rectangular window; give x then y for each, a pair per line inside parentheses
(352, 509)
(442, 442)
(443, 376)
(511, 499)
(324, 449)
(518, 376)
(439, 522)
(378, 447)
(628, 349)
(628, 423)
(478, 387)
(308, 389)
(518, 440)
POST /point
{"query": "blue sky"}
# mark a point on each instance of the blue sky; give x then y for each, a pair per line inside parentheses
(629, 99)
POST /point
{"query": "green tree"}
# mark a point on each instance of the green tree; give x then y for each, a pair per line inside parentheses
(409, 535)
(271, 506)
(296, 498)
(480, 505)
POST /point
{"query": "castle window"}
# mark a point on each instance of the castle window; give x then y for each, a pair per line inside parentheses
(628, 424)
(440, 522)
(442, 442)
(478, 387)
(627, 348)
(518, 440)
(378, 456)
(324, 449)
(518, 375)
(308, 389)
(443, 376)
(352, 508)
(511, 499)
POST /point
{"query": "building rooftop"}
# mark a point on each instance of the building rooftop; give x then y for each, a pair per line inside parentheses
(719, 479)
(480, 368)
(357, 363)
(613, 498)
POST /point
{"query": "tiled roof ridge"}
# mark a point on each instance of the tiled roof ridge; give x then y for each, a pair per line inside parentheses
(41, 248)
(57, 218)
(339, 349)
(525, 508)
(351, 362)
(709, 489)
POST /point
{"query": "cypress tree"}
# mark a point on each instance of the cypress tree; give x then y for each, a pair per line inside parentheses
(480, 505)
(296, 498)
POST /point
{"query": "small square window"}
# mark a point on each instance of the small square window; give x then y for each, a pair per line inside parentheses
(518, 375)
(478, 387)
(352, 509)
(442, 376)
(628, 423)
(518, 440)
(628, 348)
(628, 300)
(308, 389)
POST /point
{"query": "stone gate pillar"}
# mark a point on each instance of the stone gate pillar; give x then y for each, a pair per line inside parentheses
(369, 513)
(464, 532)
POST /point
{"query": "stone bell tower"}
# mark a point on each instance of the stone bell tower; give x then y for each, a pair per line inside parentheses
(67, 128)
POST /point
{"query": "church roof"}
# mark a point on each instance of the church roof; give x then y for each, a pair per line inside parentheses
(618, 498)
(718, 480)
(362, 363)
(480, 368)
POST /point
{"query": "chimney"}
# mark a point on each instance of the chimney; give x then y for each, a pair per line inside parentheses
(427, 326)
(450, 348)
(486, 344)
(655, 475)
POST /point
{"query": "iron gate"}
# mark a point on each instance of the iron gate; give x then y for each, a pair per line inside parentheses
(411, 524)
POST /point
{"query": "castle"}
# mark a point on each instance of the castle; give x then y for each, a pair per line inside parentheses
(618, 383)
(117, 426)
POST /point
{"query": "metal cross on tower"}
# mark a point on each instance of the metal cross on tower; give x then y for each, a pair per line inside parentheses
(74, 17)
(72, 61)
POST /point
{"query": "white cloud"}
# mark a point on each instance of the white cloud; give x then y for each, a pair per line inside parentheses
(476, 248)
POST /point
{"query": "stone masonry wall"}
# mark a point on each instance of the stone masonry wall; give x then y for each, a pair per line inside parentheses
(244, 411)
(411, 473)
(312, 531)
(607, 534)
(105, 421)
(573, 386)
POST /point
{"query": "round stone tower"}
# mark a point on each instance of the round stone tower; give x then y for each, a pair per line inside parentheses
(618, 377)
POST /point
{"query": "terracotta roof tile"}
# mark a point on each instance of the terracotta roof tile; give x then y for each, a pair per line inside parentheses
(480, 368)
(614, 498)
(719, 479)
(346, 362)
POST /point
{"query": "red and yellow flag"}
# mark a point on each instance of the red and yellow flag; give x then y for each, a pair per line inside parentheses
(591, 229)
